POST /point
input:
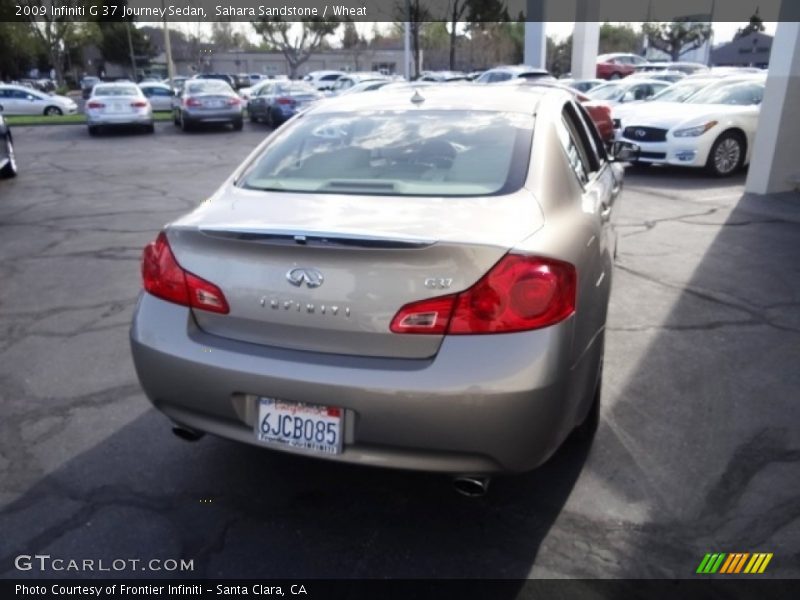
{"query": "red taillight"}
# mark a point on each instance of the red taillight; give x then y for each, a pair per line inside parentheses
(234, 101)
(139, 103)
(163, 277)
(95, 105)
(192, 102)
(519, 293)
(284, 100)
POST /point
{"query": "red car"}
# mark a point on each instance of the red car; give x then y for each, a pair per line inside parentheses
(598, 110)
(617, 65)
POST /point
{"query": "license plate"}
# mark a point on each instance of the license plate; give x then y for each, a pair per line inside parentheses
(297, 425)
(215, 104)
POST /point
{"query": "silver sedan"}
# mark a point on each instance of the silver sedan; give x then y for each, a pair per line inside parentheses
(115, 104)
(414, 279)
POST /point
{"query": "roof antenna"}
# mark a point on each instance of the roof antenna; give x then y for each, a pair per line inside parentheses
(417, 97)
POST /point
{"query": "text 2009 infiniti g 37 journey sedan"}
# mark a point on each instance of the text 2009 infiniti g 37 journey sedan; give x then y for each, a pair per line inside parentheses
(413, 279)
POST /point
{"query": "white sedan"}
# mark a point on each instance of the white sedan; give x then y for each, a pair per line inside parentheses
(160, 95)
(19, 100)
(627, 90)
(713, 128)
(118, 104)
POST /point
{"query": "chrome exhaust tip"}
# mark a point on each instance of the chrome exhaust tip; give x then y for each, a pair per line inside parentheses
(471, 487)
(186, 433)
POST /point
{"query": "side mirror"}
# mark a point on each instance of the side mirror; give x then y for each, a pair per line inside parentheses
(625, 151)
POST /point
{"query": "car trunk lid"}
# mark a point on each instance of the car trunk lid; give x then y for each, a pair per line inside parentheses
(327, 273)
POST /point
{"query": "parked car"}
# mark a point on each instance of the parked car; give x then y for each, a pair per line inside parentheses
(444, 76)
(208, 101)
(160, 95)
(410, 280)
(218, 76)
(600, 112)
(668, 76)
(689, 68)
(350, 79)
(500, 74)
(714, 128)
(629, 90)
(371, 85)
(19, 100)
(323, 80)
(87, 83)
(582, 85)
(276, 102)
(8, 160)
(176, 83)
(617, 65)
(118, 104)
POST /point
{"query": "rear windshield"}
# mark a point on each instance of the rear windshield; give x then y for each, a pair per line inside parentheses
(607, 91)
(116, 90)
(398, 153)
(209, 86)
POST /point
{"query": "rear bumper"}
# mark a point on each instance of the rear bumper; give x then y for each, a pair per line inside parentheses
(212, 116)
(131, 119)
(484, 404)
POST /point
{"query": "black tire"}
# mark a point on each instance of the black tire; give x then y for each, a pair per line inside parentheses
(727, 155)
(93, 130)
(150, 128)
(238, 125)
(53, 111)
(585, 431)
(185, 125)
(269, 120)
(10, 168)
(175, 120)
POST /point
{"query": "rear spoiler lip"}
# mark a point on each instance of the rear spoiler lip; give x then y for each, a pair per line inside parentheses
(298, 237)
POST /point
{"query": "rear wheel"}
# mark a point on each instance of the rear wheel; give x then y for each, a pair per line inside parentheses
(727, 155)
(53, 111)
(588, 427)
(237, 125)
(10, 168)
(185, 125)
(175, 120)
(150, 128)
(93, 130)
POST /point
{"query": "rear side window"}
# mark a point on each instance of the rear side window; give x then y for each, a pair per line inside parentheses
(398, 153)
(577, 154)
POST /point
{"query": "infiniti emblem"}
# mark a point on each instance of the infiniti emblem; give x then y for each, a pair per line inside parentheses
(311, 277)
(641, 133)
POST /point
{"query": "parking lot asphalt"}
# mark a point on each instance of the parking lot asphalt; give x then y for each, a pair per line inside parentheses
(698, 448)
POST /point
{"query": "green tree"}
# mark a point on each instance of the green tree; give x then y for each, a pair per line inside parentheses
(295, 47)
(52, 32)
(19, 48)
(619, 38)
(559, 56)
(756, 25)
(677, 37)
(225, 37)
(416, 12)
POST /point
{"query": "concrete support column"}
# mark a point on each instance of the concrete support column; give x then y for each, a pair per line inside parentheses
(585, 42)
(774, 166)
(535, 53)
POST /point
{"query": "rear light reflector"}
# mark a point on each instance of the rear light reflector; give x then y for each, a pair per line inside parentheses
(139, 104)
(163, 277)
(234, 102)
(519, 293)
(192, 102)
(284, 100)
(95, 105)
